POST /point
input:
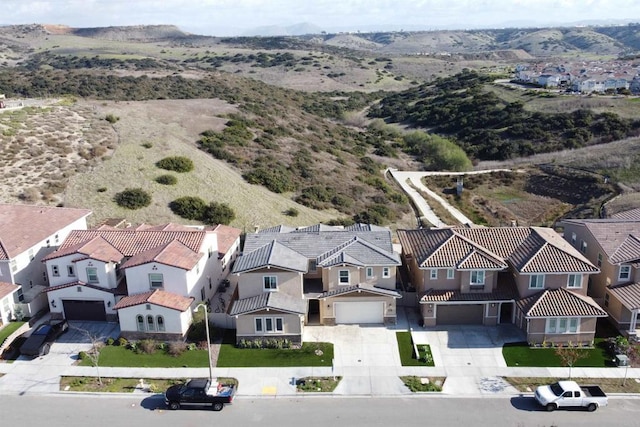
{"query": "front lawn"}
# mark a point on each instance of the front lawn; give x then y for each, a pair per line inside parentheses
(418, 384)
(521, 354)
(8, 329)
(124, 385)
(121, 356)
(317, 384)
(407, 354)
(311, 354)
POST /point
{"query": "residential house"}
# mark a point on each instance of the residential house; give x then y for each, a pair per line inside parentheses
(549, 80)
(289, 277)
(28, 233)
(148, 278)
(524, 275)
(614, 246)
(7, 300)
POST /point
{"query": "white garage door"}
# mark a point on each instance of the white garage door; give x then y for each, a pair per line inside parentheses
(359, 312)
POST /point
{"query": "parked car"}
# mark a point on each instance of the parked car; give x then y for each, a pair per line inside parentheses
(199, 392)
(568, 394)
(40, 340)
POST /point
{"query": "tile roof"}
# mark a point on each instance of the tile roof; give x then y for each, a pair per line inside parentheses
(180, 248)
(611, 234)
(227, 236)
(527, 249)
(633, 215)
(359, 288)
(113, 291)
(559, 303)
(272, 255)
(628, 294)
(7, 289)
(503, 292)
(156, 297)
(24, 226)
(269, 300)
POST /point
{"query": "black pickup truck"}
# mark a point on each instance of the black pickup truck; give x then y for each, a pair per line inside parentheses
(199, 392)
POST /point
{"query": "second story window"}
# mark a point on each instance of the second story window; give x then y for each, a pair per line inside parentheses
(573, 238)
(625, 272)
(71, 271)
(270, 283)
(343, 277)
(13, 265)
(574, 281)
(92, 275)
(55, 271)
(477, 277)
(536, 281)
(156, 280)
(599, 260)
(433, 274)
(450, 273)
(386, 272)
(583, 247)
(313, 266)
(369, 273)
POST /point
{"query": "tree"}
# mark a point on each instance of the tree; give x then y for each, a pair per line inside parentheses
(97, 342)
(569, 355)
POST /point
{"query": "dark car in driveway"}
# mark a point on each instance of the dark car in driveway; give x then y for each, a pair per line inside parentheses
(40, 340)
(199, 392)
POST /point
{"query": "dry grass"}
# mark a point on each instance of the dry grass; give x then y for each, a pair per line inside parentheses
(609, 385)
(173, 128)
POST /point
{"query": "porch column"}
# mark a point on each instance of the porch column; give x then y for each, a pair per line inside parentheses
(634, 320)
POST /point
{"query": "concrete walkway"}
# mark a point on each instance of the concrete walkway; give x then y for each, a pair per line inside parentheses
(366, 357)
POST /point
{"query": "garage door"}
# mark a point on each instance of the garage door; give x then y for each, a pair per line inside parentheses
(359, 312)
(84, 310)
(459, 314)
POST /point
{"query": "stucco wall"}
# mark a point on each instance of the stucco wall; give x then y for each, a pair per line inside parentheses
(551, 281)
(252, 284)
(86, 294)
(292, 324)
(585, 334)
(176, 322)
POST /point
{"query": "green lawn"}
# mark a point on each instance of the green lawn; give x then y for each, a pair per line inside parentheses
(407, 355)
(117, 356)
(311, 354)
(520, 354)
(8, 329)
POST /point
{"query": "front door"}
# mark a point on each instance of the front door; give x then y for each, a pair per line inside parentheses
(313, 312)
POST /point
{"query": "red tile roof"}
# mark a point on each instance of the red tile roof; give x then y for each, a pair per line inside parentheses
(560, 303)
(503, 292)
(226, 238)
(173, 253)
(24, 226)
(79, 283)
(156, 297)
(7, 289)
(527, 249)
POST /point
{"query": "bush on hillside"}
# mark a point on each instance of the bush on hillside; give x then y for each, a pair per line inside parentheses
(189, 207)
(133, 198)
(218, 213)
(176, 163)
(167, 179)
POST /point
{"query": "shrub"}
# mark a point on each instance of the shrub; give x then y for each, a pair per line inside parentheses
(83, 355)
(147, 144)
(167, 179)
(189, 207)
(133, 198)
(176, 348)
(101, 189)
(218, 213)
(122, 341)
(176, 163)
(292, 212)
(111, 118)
(147, 346)
(110, 341)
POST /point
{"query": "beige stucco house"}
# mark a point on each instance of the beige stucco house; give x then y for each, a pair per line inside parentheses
(524, 275)
(614, 246)
(325, 275)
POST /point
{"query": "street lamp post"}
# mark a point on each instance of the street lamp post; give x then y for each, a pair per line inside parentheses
(206, 324)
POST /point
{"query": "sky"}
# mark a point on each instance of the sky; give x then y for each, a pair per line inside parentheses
(241, 17)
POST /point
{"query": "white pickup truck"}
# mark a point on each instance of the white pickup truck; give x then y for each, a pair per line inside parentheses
(569, 394)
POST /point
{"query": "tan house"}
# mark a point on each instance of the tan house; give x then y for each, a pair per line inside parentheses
(326, 275)
(524, 275)
(614, 246)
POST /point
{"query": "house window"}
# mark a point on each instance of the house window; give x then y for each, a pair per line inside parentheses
(574, 281)
(313, 266)
(92, 275)
(78, 288)
(433, 274)
(148, 306)
(202, 294)
(160, 323)
(562, 325)
(477, 277)
(31, 256)
(369, 272)
(583, 247)
(140, 322)
(150, 324)
(269, 325)
(450, 273)
(625, 272)
(55, 271)
(270, 283)
(606, 300)
(599, 260)
(13, 265)
(71, 271)
(573, 238)
(20, 295)
(536, 281)
(210, 252)
(156, 280)
(386, 272)
(198, 268)
(343, 277)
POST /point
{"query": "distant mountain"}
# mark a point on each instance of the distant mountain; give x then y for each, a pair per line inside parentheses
(277, 30)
